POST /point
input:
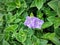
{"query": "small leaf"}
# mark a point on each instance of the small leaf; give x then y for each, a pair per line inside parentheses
(20, 11)
(58, 11)
(1, 17)
(11, 28)
(28, 42)
(18, 3)
(6, 36)
(30, 32)
(33, 4)
(51, 19)
(57, 31)
(1, 37)
(39, 14)
(49, 35)
(21, 36)
(35, 40)
(31, 15)
(43, 42)
(57, 23)
(17, 20)
(39, 3)
(5, 42)
(46, 25)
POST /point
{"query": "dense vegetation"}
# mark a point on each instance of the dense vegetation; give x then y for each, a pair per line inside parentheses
(13, 14)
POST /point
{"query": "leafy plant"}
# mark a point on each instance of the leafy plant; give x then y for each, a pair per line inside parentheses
(43, 13)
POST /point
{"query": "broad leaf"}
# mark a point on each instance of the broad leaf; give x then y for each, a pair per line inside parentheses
(54, 20)
(51, 36)
(55, 6)
(38, 4)
(46, 25)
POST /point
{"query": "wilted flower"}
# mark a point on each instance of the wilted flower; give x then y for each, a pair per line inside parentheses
(33, 22)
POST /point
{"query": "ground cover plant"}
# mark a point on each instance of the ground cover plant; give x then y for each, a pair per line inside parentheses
(29, 22)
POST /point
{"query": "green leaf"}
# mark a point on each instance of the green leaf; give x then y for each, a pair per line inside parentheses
(20, 11)
(49, 44)
(39, 3)
(57, 31)
(30, 32)
(1, 17)
(11, 28)
(46, 25)
(1, 37)
(37, 41)
(6, 36)
(11, 6)
(1, 21)
(59, 4)
(24, 15)
(5, 42)
(57, 23)
(48, 11)
(17, 20)
(24, 5)
(31, 14)
(21, 36)
(18, 3)
(58, 10)
(51, 36)
(54, 20)
(43, 42)
(55, 41)
(9, 17)
(6, 1)
(28, 42)
(51, 19)
(53, 4)
(39, 14)
(33, 4)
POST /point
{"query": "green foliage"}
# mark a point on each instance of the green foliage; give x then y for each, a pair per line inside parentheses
(37, 3)
(51, 36)
(55, 6)
(5, 42)
(11, 28)
(46, 25)
(13, 13)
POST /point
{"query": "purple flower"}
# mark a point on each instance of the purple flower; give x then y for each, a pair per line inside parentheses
(33, 22)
